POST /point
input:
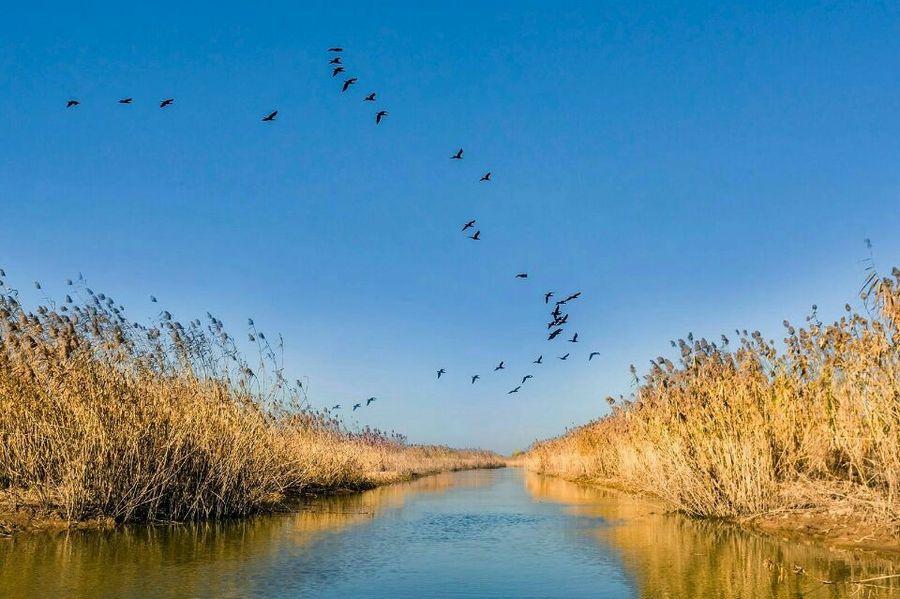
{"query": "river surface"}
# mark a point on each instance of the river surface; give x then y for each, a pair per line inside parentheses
(483, 533)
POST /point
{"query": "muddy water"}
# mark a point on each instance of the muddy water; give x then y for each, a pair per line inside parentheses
(504, 533)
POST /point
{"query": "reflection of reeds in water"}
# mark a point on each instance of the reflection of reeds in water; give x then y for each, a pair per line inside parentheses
(102, 417)
(204, 556)
(669, 555)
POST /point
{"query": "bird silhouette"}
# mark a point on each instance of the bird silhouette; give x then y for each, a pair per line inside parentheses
(547, 297)
(526, 377)
(153, 298)
(469, 224)
(335, 49)
(380, 115)
(369, 98)
(573, 296)
(516, 390)
(336, 407)
(458, 155)
(476, 236)
(126, 100)
(486, 176)
(475, 377)
(557, 311)
(565, 357)
(540, 360)
(500, 366)
(356, 405)
(522, 275)
(370, 400)
(574, 338)
(554, 334)
(348, 83)
(593, 353)
(335, 60)
(440, 372)
(166, 102)
(271, 116)
(337, 70)
(72, 103)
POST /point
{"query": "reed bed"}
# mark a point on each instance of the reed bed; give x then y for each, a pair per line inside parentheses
(105, 419)
(754, 429)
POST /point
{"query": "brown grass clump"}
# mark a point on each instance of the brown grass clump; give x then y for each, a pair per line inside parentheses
(759, 430)
(103, 418)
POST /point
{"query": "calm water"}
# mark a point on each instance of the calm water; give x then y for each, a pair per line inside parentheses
(501, 533)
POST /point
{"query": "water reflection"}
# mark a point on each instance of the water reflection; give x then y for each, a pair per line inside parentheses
(673, 556)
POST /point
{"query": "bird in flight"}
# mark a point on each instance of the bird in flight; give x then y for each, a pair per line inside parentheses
(522, 275)
(573, 296)
(547, 297)
(335, 60)
(540, 360)
(336, 407)
(348, 83)
(126, 100)
(475, 377)
(337, 70)
(516, 390)
(166, 102)
(72, 103)
(574, 338)
(554, 334)
(271, 116)
(593, 353)
(565, 357)
(557, 312)
(440, 372)
(153, 298)
(458, 155)
(380, 115)
(469, 224)
(370, 400)
(526, 377)
(369, 98)
(476, 236)
(486, 176)
(335, 49)
(356, 405)
(500, 366)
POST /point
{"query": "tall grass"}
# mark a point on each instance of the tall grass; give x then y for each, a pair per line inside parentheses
(759, 428)
(102, 417)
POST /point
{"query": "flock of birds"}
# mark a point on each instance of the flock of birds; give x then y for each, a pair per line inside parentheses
(558, 319)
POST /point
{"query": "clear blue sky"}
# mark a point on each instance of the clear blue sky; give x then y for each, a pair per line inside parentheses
(689, 167)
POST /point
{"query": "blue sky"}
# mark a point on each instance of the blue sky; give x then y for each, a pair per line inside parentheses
(689, 167)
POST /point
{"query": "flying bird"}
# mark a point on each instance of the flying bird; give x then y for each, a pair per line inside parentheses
(556, 312)
(554, 334)
(593, 353)
(369, 98)
(458, 155)
(522, 275)
(516, 390)
(335, 60)
(126, 100)
(335, 49)
(469, 224)
(72, 103)
(486, 176)
(380, 115)
(574, 338)
(356, 405)
(336, 407)
(348, 83)
(370, 400)
(500, 366)
(540, 360)
(547, 297)
(166, 102)
(565, 357)
(475, 377)
(337, 70)
(476, 236)
(526, 377)
(573, 296)
(271, 116)
(440, 372)
(153, 298)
